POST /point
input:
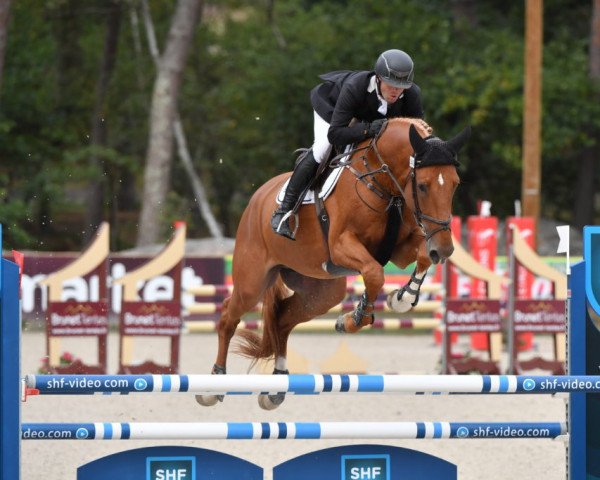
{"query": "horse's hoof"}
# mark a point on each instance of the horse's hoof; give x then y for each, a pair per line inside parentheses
(340, 327)
(402, 305)
(209, 400)
(270, 402)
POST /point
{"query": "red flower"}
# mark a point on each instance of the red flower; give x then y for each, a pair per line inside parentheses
(66, 357)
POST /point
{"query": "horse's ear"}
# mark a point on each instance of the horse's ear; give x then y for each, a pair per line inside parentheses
(457, 142)
(417, 142)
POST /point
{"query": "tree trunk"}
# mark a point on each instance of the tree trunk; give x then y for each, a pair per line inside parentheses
(4, 12)
(182, 149)
(96, 194)
(163, 111)
(585, 191)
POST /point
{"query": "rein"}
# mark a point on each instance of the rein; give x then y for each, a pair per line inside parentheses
(393, 199)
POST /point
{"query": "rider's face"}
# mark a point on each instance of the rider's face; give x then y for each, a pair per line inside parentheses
(390, 93)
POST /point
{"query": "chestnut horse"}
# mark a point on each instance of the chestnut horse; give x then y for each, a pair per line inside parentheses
(380, 175)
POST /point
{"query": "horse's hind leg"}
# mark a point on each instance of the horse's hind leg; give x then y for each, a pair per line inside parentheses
(243, 299)
(312, 297)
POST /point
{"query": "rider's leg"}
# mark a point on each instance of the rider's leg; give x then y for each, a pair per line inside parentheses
(303, 174)
(301, 177)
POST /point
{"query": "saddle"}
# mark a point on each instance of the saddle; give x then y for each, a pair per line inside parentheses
(322, 186)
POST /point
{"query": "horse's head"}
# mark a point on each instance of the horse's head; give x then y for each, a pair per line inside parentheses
(431, 188)
(401, 167)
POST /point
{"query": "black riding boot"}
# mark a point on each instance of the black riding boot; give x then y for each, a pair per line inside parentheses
(301, 177)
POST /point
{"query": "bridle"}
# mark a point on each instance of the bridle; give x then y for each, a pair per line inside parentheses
(369, 179)
(420, 216)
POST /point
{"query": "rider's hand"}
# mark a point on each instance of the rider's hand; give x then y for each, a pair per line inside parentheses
(374, 127)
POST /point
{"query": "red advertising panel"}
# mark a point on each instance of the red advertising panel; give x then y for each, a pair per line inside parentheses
(77, 318)
(451, 281)
(456, 228)
(452, 286)
(525, 279)
(473, 315)
(543, 316)
(483, 246)
(152, 319)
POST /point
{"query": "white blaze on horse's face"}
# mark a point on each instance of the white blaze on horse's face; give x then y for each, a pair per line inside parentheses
(440, 179)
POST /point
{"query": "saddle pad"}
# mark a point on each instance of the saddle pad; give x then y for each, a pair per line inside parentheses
(328, 187)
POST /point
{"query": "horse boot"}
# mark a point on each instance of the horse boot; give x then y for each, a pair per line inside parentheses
(301, 177)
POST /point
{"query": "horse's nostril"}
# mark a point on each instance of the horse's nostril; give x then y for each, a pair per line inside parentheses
(433, 255)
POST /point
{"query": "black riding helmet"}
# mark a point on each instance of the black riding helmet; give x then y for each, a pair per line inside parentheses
(396, 68)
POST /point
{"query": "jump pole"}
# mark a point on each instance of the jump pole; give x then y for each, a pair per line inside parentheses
(208, 290)
(291, 430)
(300, 384)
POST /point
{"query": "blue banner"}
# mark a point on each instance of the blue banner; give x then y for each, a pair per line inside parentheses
(170, 463)
(362, 462)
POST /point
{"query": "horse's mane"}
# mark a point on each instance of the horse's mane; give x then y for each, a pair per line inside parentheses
(421, 125)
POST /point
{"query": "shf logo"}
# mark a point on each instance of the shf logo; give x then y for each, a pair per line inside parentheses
(365, 467)
(170, 468)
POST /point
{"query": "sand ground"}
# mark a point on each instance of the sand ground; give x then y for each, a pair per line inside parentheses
(476, 459)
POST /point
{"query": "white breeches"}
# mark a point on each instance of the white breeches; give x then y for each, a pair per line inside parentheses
(321, 146)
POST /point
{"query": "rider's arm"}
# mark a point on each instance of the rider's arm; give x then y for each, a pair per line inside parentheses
(340, 133)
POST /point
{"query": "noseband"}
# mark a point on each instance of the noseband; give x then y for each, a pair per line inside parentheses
(398, 199)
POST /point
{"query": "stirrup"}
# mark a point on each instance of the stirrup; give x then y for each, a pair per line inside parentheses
(284, 222)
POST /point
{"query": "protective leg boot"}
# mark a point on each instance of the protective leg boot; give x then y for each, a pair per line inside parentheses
(301, 177)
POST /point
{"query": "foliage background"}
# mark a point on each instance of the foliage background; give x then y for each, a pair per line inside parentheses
(245, 103)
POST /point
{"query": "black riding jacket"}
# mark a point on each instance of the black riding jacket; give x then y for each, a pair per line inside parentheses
(344, 95)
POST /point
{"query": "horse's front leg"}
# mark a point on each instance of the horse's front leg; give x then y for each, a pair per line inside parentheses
(350, 252)
(405, 298)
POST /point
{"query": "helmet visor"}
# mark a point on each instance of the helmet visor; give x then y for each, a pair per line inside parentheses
(398, 79)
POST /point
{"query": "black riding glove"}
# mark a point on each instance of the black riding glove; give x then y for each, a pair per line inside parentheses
(373, 128)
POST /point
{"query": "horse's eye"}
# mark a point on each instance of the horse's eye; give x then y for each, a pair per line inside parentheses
(422, 187)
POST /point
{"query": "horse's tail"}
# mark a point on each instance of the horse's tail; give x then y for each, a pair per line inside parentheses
(254, 346)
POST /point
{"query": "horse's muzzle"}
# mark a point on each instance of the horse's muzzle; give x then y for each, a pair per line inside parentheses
(439, 253)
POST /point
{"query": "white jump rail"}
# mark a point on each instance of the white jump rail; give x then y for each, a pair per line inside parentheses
(309, 384)
(291, 430)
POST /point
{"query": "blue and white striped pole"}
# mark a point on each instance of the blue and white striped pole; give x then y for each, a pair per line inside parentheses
(289, 430)
(311, 384)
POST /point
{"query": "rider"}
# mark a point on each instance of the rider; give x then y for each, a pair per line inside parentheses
(367, 96)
